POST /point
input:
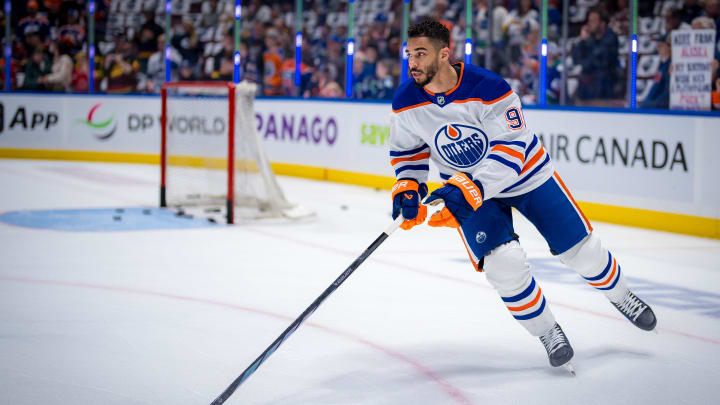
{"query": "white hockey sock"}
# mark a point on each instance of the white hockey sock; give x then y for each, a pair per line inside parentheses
(597, 266)
(507, 270)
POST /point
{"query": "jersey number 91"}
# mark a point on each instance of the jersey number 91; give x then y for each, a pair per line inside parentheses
(514, 118)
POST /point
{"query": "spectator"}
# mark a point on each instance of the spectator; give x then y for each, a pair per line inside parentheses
(383, 87)
(597, 53)
(690, 10)
(187, 42)
(80, 76)
(33, 23)
(151, 25)
(620, 19)
(554, 76)
(712, 10)
(155, 73)
(674, 20)
(60, 77)
(38, 66)
(72, 33)
(518, 20)
(272, 65)
(659, 96)
(323, 86)
(187, 71)
(222, 66)
(121, 67)
(716, 95)
(249, 65)
(146, 45)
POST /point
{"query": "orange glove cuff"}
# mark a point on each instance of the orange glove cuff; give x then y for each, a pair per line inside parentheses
(404, 185)
(470, 190)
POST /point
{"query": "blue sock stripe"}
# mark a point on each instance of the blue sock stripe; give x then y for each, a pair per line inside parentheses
(604, 272)
(526, 292)
(617, 277)
(532, 314)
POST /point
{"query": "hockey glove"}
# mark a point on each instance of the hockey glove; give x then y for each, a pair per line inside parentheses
(406, 195)
(462, 196)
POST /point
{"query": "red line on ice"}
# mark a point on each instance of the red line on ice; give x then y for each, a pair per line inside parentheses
(448, 388)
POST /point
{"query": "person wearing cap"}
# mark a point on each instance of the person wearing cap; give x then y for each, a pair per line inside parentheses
(659, 96)
(33, 23)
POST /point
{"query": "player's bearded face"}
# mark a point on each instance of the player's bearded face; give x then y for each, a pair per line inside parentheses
(426, 74)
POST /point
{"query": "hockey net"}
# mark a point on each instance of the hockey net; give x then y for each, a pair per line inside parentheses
(212, 161)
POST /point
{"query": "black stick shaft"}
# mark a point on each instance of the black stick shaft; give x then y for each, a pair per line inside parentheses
(306, 314)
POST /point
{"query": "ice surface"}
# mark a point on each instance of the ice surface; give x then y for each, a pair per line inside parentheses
(173, 316)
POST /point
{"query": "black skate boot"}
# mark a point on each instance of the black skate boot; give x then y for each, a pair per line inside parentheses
(637, 311)
(558, 348)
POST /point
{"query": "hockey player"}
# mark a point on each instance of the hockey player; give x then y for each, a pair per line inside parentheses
(470, 123)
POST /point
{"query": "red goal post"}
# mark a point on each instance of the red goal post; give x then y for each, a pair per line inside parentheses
(212, 156)
(231, 138)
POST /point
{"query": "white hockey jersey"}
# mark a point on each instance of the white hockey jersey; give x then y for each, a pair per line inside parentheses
(477, 128)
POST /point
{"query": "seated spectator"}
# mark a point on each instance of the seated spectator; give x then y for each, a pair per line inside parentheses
(80, 76)
(146, 45)
(60, 76)
(72, 33)
(248, 65)
(187, 42)
(272, 66)
(222, 65)
(659, 96)
(597, 53)
(674, 20)
(690, 10)
(33, 23)
(384, 87)
(187, 71)
(517, 21)
(151, 25)
(38, 66)
(716, 95)
(155, 73)
(712, 10)
(620, 19)
(121, 67)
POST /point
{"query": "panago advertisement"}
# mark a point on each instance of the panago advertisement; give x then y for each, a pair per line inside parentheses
(656, 162)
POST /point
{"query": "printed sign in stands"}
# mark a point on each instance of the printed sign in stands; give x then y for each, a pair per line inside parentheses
(691, 76)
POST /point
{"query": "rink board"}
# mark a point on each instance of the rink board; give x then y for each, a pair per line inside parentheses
(649, 170)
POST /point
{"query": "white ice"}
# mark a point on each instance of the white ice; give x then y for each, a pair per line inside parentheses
(173, 316)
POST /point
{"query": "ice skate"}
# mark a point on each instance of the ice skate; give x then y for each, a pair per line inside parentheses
(558, 348)
(637, 311)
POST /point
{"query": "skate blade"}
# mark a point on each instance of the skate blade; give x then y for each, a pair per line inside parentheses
(570, 369)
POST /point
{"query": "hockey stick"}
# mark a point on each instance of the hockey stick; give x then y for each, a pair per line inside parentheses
(308, 311)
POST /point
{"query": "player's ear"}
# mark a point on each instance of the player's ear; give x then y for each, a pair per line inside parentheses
(445, 53)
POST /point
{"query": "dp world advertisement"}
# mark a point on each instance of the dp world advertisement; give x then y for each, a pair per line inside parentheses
(648, 161)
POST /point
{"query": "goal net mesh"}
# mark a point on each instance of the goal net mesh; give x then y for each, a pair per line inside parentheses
(198, 120)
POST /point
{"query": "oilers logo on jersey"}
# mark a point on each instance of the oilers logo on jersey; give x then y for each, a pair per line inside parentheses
(461, 145)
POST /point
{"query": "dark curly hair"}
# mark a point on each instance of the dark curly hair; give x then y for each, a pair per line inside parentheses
(438, 34)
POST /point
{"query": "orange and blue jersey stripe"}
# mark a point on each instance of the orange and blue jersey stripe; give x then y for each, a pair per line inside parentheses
(535, 159)
(509, 153)
(416, 159)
